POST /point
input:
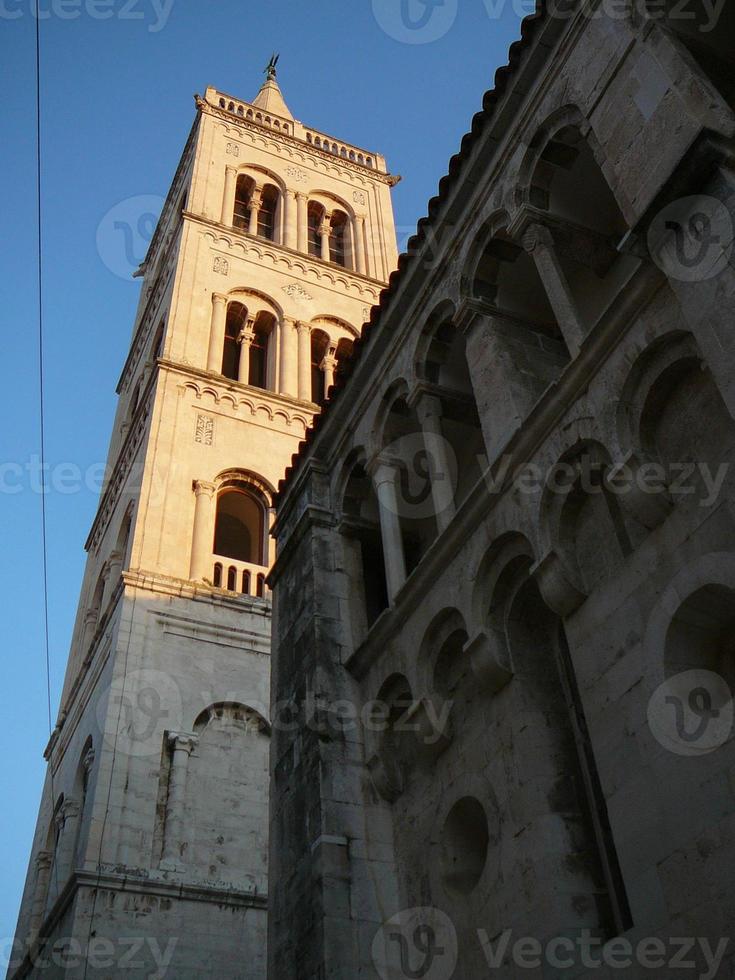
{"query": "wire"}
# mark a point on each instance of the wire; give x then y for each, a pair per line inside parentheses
(41, 379)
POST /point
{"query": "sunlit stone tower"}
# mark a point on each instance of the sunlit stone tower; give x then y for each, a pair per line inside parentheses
(151, 843)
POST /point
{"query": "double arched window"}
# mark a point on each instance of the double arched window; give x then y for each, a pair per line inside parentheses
(245, 353)
(328, 234)
(255, 207)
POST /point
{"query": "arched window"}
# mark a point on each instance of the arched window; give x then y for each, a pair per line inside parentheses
(243, 192)
(338, 238)
(258, 373)
(157, 346)
(363, 549)
(568, 182)
(267, 212)
(319, 344)
(315, 219)
(239, 525)
(404, 441)
(236, 319)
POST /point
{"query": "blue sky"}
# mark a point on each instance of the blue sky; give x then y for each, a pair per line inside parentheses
(117, 83)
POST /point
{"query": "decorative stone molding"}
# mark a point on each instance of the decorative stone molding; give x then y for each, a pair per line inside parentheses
(204, 432)
(233, 149)
(296, 174)
(296, 289)
(554, 582)
(489, 662)
(221, 265)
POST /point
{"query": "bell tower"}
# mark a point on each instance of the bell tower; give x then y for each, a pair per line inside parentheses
(151, 844)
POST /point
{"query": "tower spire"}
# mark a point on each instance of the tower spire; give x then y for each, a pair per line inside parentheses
(270, 97)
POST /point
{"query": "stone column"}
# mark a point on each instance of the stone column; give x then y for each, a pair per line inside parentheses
(88, 630)
(290, 220)
(44, 862)
(324, 230)
(114, 568)
(302, 221)
(384, 479)
(359, 227)
(254, 212)
(245, 339)
(443, 474)
(329, 366)
(228, 200)
(304, 331)
(217, 332)
(202, 532)
(181, 745)
(538, 242)
(286, 384)
(69, 825)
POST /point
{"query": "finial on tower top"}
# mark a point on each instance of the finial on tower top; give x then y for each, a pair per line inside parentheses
(270, 69)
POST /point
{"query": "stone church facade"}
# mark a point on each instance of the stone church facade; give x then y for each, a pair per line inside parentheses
(150, 853)
(505, 588)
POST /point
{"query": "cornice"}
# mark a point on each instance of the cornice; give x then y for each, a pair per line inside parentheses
(224, 389)
(233, 235)
(240, 122)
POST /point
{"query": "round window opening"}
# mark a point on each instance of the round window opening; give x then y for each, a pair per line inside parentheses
(464, 844)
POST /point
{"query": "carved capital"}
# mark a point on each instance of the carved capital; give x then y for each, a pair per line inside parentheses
(329, 362)
(219, 298)
(247, 334)
(203, 487)
(536, 235)
(232, 171)
(43, 860)
(182, 742)
(88, 760)
(70, 809)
